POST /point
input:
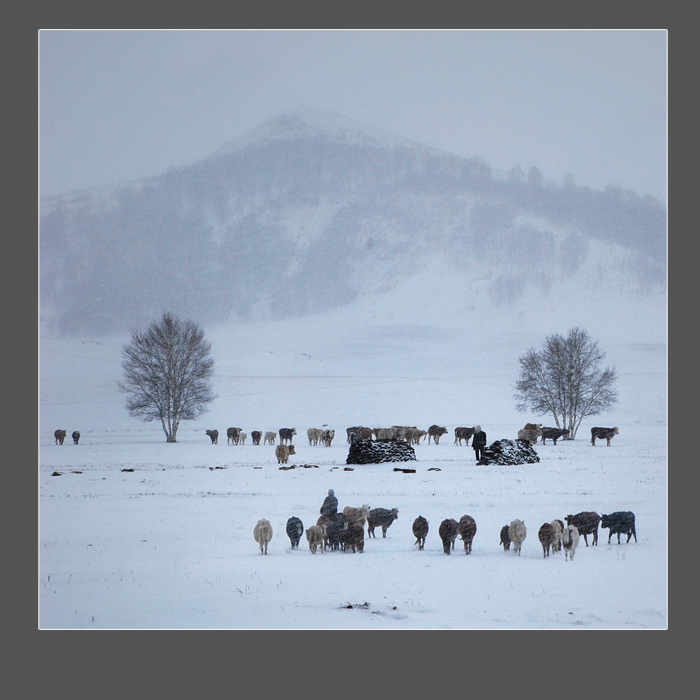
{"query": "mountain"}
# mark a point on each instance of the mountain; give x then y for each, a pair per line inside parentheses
(312, 211)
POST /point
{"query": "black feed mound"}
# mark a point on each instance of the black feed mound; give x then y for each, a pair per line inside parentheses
(507, 452)
(376, 451)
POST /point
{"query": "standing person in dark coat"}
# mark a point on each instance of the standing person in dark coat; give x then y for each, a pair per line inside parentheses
(479, 442)
(330, 504)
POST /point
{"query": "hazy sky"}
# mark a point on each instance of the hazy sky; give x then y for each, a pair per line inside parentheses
(118, 105)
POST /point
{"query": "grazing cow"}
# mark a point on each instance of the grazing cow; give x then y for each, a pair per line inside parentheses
(327, 437)
(546, 537)
(448, 534)
(464, 434)
(295, 529)
(553, 434)
(233, 435)
(420, 531)
(76, 437)
(282, 453)
(505, 538)
(214, 435)
(314, 535)
(263, 534)
(517, 533)
(270, 438)
(603, 434)
(557, 528)
(352, 538)
(59, 436)
(435, 431)
(256, 435)
(586, 523)
(621, 523)
(356, 516)
(466, 527)
(569, 540)
(381, 517)
(286, 435)
(314, 435)
(531, 432)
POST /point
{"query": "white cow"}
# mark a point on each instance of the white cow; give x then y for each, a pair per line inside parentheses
(262, 532)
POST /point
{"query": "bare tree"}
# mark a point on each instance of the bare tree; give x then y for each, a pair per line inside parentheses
(564, 380)
(166, 373)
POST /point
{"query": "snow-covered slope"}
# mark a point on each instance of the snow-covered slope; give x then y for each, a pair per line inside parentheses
(139, 533)
(312, 211)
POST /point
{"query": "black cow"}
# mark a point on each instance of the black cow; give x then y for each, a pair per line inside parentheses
(466, 527)
(233, 435)
(505, 538)
(76, 437)
(286, 435)
(420, 530)
(352, 538)
(546, 537)
(295, 529)
(256, 435)
(60, 436)
(603, 434)
(620, 523)
(332, 525)
(553, 434)
(435, 431)
(463, 434)
(381, 517)
(448, 534)
(214, 435)
(586, 523)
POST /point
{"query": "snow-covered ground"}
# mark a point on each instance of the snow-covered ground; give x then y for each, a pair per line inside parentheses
(139, 533)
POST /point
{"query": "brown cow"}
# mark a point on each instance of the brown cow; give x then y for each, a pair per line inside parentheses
(282, 453)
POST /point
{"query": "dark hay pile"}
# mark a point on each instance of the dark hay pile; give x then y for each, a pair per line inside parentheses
(376, 451)
(507, 452)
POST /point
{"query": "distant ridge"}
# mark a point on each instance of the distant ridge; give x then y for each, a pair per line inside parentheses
(311, 211)
(307, 122)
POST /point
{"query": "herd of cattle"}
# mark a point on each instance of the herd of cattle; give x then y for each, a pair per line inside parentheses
(345, 530)
(531, 432)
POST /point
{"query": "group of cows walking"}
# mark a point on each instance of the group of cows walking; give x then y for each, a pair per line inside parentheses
(236, 436)
(345, 530)
(60, 436)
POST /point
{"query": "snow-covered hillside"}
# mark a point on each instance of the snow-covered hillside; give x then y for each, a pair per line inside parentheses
(312, 211)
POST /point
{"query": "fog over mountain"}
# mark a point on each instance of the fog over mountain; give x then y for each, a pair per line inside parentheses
(311, 211)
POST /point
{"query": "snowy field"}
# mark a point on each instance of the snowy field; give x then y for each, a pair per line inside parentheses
(137, 533)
